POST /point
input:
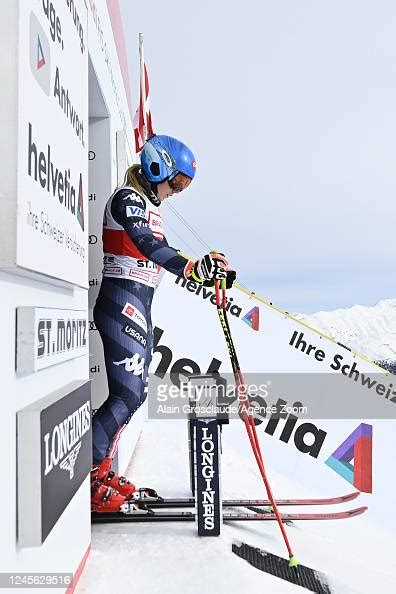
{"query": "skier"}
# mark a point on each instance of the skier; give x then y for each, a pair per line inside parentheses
(135, 249)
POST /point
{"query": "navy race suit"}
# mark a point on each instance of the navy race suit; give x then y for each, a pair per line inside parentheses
(134, 250)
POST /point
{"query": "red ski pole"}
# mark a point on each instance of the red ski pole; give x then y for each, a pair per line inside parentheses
(247, 416)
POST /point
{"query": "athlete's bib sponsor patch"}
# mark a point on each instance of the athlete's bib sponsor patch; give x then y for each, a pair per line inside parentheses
(155, 222)
(135, 211)
(135, 315)
(148, 265)
(132, 333)
(117, 270)
(143, 276)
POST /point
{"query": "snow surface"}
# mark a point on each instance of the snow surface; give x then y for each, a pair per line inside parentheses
(367, 330)
(355, 554)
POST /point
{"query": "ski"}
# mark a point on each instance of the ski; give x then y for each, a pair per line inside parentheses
(150, 515)
(190, 501)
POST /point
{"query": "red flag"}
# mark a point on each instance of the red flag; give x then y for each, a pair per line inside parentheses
(142, 124)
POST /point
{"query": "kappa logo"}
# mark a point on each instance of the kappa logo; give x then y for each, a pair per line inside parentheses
(136, 199)
(132, 364)
(70, 461)
(135, 315)
(40, 58)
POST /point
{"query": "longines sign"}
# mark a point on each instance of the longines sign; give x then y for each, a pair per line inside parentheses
(54, 458)
(46, 336)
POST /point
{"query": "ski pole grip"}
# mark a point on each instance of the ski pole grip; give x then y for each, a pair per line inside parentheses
(222, 283)
(217, 293)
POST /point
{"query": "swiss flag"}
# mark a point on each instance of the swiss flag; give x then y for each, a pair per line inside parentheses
(143, 115)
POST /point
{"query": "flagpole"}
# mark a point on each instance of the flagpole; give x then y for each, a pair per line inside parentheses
(143, 85)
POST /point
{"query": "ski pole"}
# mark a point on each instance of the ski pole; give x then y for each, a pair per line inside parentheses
(247, 417)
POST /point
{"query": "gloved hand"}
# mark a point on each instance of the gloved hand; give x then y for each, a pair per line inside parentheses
(230, 280)
(211, 267)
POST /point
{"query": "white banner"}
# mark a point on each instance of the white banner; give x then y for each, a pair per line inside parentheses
(321, 451)
(267, 339)
(52, 227)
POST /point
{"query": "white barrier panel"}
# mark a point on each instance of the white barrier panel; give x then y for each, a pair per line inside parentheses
(52, 229)
(321, 453)
(267, 339)
(54, 458)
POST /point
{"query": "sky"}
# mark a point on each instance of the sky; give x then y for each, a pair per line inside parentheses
(290, 110)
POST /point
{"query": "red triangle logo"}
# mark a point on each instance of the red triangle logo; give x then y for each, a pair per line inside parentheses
(40, 54)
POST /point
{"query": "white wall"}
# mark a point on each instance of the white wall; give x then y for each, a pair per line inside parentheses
(70, 538)
(43, 276)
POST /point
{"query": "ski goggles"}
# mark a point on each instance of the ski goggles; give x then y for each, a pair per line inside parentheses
(179, 182)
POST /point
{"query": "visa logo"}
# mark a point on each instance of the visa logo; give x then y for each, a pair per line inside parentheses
(135, 211)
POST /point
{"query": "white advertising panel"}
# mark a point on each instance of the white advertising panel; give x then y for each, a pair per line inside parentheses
(54, 458)
(47, 336)
(52, 226)
(267, 339)
(347, 438)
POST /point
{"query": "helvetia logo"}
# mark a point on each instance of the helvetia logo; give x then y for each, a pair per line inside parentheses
(40, 61)
(252, 318)
(40, 54)
(208, 293)
(80, 204)
(357, 447)
(56, 181)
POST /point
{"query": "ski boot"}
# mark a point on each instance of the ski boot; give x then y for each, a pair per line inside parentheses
(105, 499)
(102, 472)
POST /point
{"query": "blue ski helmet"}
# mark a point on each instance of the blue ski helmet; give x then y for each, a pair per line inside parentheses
(163, 157)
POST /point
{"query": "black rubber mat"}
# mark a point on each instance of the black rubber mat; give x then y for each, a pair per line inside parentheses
(308, 578)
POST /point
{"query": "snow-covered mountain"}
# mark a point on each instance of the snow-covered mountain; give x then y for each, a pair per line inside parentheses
(368, 330)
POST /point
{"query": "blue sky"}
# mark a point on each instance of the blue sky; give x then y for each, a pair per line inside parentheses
(290, 109)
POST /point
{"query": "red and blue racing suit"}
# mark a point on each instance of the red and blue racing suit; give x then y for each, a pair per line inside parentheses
(134, 251)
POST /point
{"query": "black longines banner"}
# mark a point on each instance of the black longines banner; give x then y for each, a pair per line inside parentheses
(65, 430)
(207, 489)
(54, 452)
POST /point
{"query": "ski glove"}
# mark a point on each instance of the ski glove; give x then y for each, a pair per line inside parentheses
(211, 267)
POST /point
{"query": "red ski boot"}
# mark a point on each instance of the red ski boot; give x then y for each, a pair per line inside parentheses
(103, 473)
(105, 499)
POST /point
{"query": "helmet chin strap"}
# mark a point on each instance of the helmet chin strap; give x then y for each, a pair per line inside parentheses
(149, 188)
